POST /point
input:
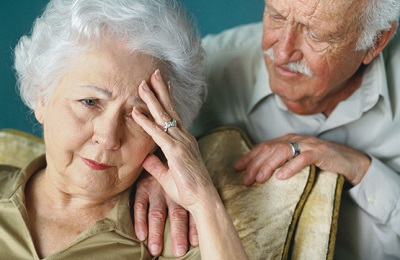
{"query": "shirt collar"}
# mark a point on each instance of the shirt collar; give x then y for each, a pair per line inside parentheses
(382, 81)
(261, 88)
(120, 216)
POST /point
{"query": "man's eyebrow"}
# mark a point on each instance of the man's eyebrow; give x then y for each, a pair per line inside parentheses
(98, 89)
(271, 8)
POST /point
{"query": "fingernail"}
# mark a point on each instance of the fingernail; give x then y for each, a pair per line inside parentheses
(195, 239)
(169, 88)
(237, 166)
(158, 74)
(181, 250)
(247, 181)
(154, 249)
(144, 85)
(140, 235)
(260, 177)
(135, 111)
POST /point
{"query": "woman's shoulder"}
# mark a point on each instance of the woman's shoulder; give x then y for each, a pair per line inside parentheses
(8, 176)
(8, 171)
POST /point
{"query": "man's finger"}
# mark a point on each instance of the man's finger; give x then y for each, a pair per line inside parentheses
(157, 216)
(140, 208)
(193, 235)
(293, 167)
(178, 217)
(243, 161)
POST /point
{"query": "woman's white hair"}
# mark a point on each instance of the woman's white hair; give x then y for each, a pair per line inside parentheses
(160, 28)
(376, 16)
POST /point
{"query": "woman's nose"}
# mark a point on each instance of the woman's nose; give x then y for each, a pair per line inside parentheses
(287, 48)
(107, 134)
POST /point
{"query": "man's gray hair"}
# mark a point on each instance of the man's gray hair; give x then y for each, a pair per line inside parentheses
(377, 16)
(160, 28)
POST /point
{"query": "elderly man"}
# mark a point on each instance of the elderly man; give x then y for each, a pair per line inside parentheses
(322, 87)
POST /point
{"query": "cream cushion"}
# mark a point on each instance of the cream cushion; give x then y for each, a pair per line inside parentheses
(18, 148)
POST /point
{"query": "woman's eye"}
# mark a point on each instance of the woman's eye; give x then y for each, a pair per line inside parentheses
(89, 102)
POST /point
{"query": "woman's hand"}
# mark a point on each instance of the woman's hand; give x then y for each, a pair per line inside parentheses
(185, 177)
(261, 162)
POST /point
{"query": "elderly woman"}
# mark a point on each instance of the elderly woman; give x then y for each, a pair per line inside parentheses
(94, 73)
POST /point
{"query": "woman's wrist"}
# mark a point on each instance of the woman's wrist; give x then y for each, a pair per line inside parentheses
(208, 201)
(218, 238)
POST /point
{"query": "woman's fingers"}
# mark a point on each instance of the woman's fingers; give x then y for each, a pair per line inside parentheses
(155, 107)
(163, 93)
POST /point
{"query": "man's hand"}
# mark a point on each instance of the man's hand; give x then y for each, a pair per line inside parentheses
(150, 211)
(261, 162)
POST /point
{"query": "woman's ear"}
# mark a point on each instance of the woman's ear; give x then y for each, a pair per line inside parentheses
(380, 44)
(40, 110)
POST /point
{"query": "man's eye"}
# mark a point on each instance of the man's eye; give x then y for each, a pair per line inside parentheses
(314, 37)
(89, 102)
(277, 18)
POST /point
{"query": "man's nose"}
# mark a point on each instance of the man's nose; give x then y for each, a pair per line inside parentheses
(287, 48)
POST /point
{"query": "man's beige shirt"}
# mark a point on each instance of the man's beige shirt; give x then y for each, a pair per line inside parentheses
(110, 238)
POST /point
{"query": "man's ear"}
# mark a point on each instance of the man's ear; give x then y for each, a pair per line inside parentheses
(40, 110)
(380, 44)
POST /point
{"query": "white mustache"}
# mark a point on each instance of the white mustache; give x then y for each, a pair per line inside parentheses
(296, 67)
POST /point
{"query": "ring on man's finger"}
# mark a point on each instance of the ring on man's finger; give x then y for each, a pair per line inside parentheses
(295, 148)
(169, 124)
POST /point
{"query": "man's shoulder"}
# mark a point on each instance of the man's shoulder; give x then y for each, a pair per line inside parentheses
(235, 38)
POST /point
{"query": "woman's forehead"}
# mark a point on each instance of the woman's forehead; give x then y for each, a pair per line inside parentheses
(113, 65)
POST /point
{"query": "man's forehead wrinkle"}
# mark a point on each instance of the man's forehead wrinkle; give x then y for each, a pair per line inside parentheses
(322, 11)
(314, 9)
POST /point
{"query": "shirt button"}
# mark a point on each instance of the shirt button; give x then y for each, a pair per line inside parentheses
(371, 199)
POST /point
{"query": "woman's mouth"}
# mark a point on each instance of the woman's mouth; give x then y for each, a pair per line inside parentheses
(95, 165)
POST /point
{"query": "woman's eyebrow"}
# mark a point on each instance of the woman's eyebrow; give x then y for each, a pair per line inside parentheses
(135, 100)
(98, 89)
